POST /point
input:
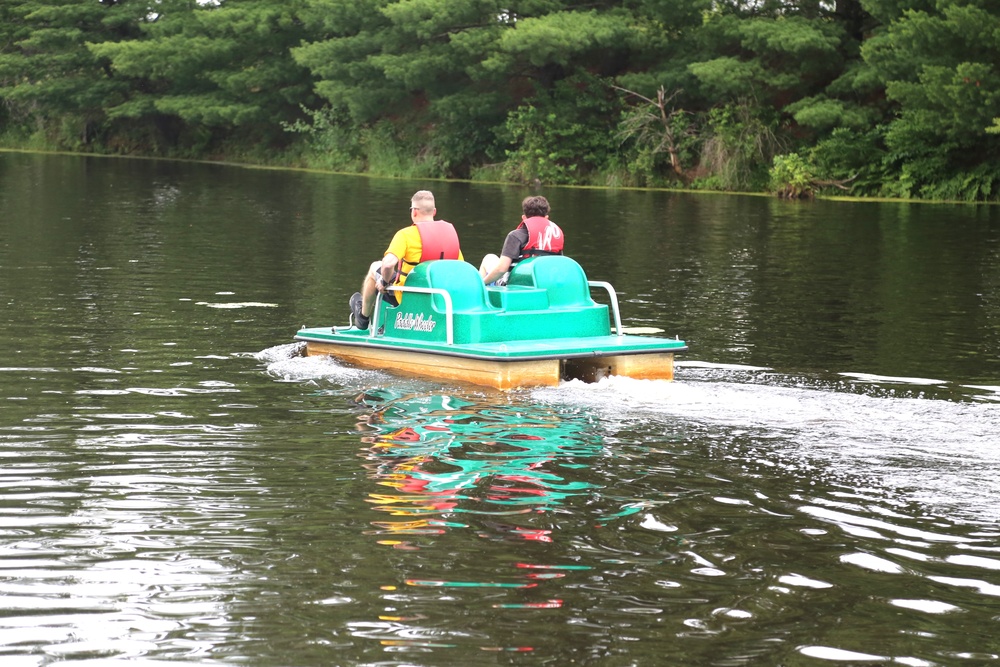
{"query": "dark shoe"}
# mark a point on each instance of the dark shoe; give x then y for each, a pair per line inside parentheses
(359, 320)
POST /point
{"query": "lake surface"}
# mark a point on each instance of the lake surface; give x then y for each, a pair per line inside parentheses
(819, 486)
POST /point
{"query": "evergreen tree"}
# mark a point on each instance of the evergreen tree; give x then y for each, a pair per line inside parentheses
(203, 72)
(51, 83)
(895, 97)
(939, 66)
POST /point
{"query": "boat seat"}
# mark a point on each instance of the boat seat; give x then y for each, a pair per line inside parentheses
(561, 277)
(545, 297)
(460, 278)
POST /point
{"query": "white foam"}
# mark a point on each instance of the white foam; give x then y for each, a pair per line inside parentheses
(940, 453)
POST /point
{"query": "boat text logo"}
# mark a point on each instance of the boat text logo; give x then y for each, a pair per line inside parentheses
(409, 322)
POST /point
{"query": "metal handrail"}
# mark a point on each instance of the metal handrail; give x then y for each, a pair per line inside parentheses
(448, 309)
(614, 303)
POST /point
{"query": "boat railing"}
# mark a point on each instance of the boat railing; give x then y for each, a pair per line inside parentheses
(614, 302)
(449, 312)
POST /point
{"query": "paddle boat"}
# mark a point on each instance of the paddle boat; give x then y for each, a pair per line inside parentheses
(541, 328)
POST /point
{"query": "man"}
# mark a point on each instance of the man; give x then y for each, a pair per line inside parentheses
(422, 241)
(536, 235)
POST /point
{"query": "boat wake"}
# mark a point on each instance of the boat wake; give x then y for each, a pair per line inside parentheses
(939, 453)
(288, 363)
(864, 432)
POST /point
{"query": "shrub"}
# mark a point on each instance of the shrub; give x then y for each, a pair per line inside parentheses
(791, 177)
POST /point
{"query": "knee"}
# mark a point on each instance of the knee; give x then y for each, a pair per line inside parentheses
(489, 261)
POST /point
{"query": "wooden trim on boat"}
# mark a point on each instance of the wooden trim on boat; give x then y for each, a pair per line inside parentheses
(503, 375)
(500, 374)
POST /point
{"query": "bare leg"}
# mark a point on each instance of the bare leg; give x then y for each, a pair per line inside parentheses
(487, 265)
(368, 290)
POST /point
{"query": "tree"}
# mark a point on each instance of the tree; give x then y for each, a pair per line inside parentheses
(49, 80)
(659, 128)
(774, 60)
(939, 67)
(404, 74)
(222, 69)
(777, 73)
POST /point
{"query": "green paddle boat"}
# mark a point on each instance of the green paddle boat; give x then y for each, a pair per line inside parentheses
(539, 329)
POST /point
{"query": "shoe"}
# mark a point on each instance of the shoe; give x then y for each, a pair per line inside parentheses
(359, 320)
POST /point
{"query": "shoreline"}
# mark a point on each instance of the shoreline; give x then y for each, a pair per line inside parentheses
(313, 170)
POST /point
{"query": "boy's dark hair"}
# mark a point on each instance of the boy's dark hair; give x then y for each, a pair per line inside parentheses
(536, 206)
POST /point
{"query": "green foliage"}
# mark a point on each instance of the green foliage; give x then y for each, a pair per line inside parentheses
(225, 66)
(955, 103)
(823, 114)
(791, 177)
(414, 63)
(465, 135)
(929, 175)
(674, 16)
(660, 142)
(739, 145)
(390, 151)
(51, 84)
(939, 65)
(561, 138)
(333, 144)
(538, 155)
(887, 11)
(900, 96)
(561, 38)
(855, 155)
(768, 59)
(977, 184)
(387, 57)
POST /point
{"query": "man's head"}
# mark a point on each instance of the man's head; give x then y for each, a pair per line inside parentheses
(535, 207)
(422, 204)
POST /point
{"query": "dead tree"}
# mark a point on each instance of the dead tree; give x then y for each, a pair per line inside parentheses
(655, 124)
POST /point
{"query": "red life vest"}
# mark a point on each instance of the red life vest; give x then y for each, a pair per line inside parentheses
(544, 237)
(438, 240)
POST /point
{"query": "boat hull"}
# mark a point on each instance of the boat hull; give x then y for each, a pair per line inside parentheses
(502, 375)
(505, 366)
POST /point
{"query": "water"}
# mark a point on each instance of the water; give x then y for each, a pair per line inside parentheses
(819, 486)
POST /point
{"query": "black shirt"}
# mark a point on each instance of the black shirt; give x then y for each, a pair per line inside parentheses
(514, 244)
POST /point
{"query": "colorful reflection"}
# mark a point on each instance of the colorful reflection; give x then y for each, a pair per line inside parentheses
(437, 457)
(498, 472)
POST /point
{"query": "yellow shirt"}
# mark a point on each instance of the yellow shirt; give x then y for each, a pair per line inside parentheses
(406, 245)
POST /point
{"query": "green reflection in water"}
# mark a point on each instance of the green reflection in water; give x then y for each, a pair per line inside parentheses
(438, 456)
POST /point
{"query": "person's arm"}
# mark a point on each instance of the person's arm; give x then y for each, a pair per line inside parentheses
(512, 247)
(501, 268)
(389, 264)
(390, 258)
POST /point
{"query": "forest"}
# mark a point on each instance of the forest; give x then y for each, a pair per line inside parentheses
(869, 98)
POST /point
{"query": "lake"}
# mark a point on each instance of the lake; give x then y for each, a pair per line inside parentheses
(819, 486)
